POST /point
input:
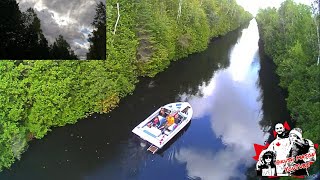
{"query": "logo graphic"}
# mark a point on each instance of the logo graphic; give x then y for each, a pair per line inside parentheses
(289, 154)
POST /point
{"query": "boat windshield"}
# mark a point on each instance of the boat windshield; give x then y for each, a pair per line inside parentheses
(185, 110)
(167, 111)
(180, 116)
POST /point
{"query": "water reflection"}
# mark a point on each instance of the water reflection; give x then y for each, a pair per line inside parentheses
(220, 83)
(231, 103)
(208, 165)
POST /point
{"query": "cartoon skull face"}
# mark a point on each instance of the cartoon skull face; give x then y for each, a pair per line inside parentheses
(279, 128)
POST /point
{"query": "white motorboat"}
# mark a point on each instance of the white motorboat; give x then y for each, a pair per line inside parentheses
(159, 128)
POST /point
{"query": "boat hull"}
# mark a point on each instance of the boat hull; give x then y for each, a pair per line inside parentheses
(153, 135)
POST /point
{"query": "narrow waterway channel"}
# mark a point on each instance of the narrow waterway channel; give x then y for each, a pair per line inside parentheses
(234, 97)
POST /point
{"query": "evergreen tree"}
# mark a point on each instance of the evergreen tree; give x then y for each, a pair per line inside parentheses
(98, 39)
(61, 49)
(295, 51)
(36, 43)
(11, 28)
(22, 37)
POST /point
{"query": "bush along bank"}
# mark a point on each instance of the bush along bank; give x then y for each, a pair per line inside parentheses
(150, 34)
(289, 35)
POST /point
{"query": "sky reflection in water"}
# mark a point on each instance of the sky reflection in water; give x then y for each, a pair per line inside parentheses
(236, 127)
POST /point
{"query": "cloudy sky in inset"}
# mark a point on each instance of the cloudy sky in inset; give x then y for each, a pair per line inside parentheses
(70, 18)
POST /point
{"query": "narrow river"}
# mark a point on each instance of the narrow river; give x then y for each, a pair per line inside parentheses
(233, 90)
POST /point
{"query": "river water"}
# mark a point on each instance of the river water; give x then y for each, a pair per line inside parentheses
(233, 91)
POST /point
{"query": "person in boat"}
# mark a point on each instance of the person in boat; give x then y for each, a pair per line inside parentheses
(170, 120)
(177, 120)
(155, 122)
(162, 113)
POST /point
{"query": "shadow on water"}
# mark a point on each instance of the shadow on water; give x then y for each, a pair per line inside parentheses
(273, 98)
(274, 104)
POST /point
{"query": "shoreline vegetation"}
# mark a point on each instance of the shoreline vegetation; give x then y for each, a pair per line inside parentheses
(36, 96)
(289, 36)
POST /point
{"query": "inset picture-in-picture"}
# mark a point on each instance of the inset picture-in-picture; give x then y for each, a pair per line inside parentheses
(52, 29)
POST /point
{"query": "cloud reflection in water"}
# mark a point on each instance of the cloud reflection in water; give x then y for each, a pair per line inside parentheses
(231, 100)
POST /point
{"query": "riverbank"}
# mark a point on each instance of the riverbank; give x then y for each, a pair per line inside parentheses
(294, 51)
(224, 93)
(39, 95)
(165, 32)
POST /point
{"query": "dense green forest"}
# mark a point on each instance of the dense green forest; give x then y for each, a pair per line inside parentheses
(38, 95)
(150, 34)
(22, 37)
(290, 38)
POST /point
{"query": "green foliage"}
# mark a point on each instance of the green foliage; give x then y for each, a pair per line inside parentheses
(38, 95)
(121, 46)
(290, 38)
(150, 34)
(12, 111)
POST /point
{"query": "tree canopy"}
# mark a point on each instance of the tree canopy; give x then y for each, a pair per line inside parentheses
(151, 34)
(289, 35)
(37, 95)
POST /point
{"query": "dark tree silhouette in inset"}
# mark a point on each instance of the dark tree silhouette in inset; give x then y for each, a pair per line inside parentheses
(21, 36)
(36, 43)
(98, 38)
(60, 49)
(11, 28)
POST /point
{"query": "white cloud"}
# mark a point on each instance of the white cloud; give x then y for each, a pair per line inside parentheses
(222, 165)
(68, 18)
(231, 100)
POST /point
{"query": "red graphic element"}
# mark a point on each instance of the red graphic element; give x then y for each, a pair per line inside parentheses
(274, 134)
(286, 126)
(258, 148)
(162, 139)
(267, 145)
